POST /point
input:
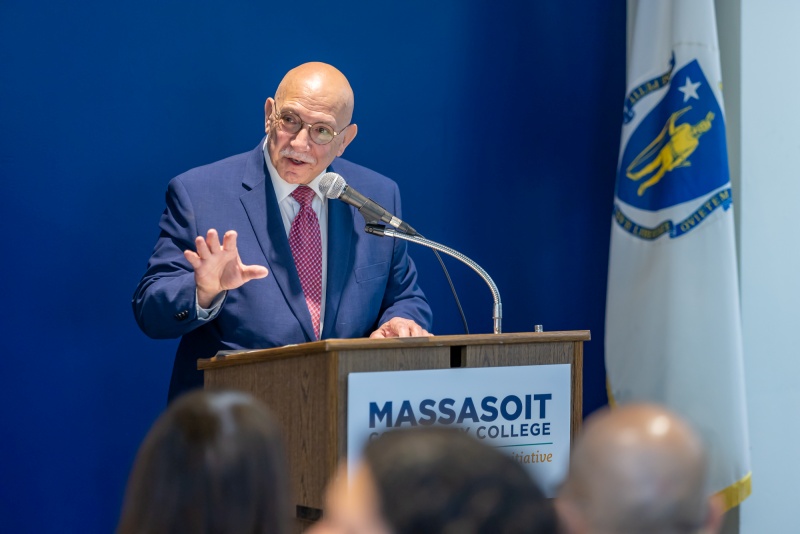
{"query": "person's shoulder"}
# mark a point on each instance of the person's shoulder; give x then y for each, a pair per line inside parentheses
(361, 177)
(230, 169)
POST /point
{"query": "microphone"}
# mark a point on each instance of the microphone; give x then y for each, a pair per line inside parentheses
(333, 185)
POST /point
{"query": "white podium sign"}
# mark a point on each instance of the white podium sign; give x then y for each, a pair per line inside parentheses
(523, 411)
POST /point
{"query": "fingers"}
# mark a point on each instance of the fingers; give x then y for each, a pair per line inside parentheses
(399, 327)
(210, 245)
(416, 330)
(212, 238)
(217, 261)
(254, 272)
(229, 241)
(377, 334)
(407, 328)
(202, 248)
(192, 257)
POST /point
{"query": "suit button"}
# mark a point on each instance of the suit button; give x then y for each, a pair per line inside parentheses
(182, 315)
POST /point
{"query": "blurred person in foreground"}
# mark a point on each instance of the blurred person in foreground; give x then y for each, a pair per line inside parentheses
(213, 462)
(638, 469)
(432, 481)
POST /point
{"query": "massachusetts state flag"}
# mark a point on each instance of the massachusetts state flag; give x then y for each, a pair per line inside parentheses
(673, 332)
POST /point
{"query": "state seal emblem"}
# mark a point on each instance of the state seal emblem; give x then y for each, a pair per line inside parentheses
(675, 155)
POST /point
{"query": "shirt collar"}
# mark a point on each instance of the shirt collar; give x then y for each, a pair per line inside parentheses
(283, 188)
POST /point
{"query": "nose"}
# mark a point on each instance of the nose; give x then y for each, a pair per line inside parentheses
(302, 139)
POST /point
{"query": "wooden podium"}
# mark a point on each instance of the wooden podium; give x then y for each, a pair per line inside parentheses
(306, 386)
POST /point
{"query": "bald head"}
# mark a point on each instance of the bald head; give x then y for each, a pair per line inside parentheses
(323, 85)
(637, 468)
(313, 94)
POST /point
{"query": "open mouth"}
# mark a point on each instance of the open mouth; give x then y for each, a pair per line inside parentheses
(296, 161)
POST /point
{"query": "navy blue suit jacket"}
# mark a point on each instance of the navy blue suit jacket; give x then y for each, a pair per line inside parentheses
(370, 279)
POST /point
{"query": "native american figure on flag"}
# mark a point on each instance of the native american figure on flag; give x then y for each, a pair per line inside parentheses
(668, 153)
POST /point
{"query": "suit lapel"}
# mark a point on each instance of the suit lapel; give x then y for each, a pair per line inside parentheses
(340, 260)
(261, 206)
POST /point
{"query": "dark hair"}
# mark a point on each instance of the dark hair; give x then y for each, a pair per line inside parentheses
(438, 480)
(213, 462)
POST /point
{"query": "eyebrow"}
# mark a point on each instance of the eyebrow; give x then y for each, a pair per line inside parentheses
(294, 112)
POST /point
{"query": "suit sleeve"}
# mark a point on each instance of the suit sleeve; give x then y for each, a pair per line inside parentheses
(164, 302)
(404, 297)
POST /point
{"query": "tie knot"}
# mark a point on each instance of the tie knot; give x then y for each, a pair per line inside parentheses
(304, 195)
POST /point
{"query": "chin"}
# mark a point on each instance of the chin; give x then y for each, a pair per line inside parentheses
(292, 176)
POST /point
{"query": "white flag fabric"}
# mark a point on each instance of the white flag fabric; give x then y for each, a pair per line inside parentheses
(673, 321)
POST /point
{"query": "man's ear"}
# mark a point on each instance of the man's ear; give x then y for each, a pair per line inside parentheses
(349, 134)
(269, 107)
(715, 517)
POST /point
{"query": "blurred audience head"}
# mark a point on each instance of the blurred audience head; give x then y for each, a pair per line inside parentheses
(637, 469)
(435, 480)
(213, 462)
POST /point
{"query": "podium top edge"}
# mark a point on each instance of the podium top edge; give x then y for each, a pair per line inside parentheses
(332, 345)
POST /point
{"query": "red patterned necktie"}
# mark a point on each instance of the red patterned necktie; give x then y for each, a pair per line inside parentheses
(306, 244)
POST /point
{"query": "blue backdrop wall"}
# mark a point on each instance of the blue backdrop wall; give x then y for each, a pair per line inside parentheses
(500, 121)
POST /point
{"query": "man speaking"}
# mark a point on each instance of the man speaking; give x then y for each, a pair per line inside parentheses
(292, 267)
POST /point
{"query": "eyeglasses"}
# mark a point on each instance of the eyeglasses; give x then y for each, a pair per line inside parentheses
(320, 133)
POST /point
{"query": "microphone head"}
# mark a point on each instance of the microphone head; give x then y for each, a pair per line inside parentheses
(331, 185)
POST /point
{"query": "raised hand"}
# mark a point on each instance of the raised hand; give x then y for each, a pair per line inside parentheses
(219, 268)
(399, 327)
